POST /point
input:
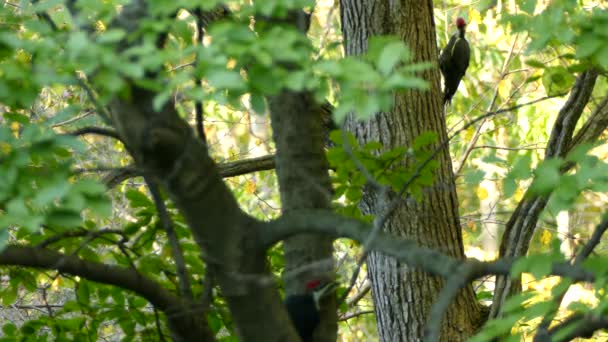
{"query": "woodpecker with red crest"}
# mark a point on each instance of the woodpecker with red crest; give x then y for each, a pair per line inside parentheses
(454, 61)
(304, 308)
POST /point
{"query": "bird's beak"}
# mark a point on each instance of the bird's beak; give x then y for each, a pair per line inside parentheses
(324, 291)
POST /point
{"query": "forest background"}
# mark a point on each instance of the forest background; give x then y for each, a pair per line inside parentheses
(139, 142)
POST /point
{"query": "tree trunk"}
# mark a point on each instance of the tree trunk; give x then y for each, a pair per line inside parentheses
(304, 183)
(403, 296)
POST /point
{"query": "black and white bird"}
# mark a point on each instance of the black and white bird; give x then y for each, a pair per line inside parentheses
(303, 308)
(454, 61)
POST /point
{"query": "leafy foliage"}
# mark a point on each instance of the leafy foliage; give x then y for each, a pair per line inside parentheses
(46, 62)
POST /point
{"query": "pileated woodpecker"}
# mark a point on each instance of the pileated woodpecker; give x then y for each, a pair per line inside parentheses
(454, 61)
(303, 308)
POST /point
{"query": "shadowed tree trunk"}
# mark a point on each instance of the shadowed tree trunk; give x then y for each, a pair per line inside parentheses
(402, 296)
(302, 172)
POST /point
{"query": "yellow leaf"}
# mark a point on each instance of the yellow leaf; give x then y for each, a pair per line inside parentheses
(15, 128)
(23, 56)
(99, 25)
(468, 134)
(250, 187)
(504, 89)
(519, 194)
(472, 226)
(5, 147)
(56, 283)
(545, 237)
(231, 64)
(482, 193)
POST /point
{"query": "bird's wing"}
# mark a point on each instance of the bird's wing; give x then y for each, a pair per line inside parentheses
(446, 53)
(462, 50)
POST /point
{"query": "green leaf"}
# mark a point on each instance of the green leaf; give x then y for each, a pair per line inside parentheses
(16, 117)
(527, 6)
(547, 177)
(535, 63)
(424, 139)
(9, 329)
(392, 54)
(54, 191)
(101, 206)
(83, 293)
(474, 177)
(588, 44)
(138, 199)
(557, 80)
(9, 295)
(401, 82)
(112, 35)
(4, 236)
(258, 103)
(64, 218)
(225, 79)
(77, 43)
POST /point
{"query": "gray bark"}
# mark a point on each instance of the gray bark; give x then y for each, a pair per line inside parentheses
(302, 170)
(522, 224)
(403, 296)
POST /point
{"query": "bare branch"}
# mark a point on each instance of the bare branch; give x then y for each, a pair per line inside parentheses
(404, 250)
(226, 170)
(477, 134)
(586, 325)
(245, 166)
(96, 130)
(78, 233)
(367, 286)
(355, 314)
(108, 274)
(521, 225)
(178, 254)
(458, 280)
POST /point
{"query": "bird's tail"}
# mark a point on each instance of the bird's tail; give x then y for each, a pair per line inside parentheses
(447, 97)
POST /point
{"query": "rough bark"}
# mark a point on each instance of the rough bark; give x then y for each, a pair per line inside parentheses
(302, 171)
(402, 296)
(165, 148)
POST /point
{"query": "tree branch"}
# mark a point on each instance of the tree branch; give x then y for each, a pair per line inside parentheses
(108, 274)
(79, 233)
(404, 250)
(226, 170)
(96, 130)
(587, 249)
(178, 254)
(521, 225)
(585, 327)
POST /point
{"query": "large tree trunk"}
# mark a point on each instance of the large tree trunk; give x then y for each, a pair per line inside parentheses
(403, 296)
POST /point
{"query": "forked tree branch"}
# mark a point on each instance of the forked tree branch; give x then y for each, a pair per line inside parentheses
(521, 225)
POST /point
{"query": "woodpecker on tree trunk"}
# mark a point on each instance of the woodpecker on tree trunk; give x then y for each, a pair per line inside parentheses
(304, 308)
(454, 61)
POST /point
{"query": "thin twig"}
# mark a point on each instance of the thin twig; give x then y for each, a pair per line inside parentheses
(79, 233)
(98, 131)
(477, 134)
(380, 220)
(178, 254)
(350, 315)
(72, 120)
(198, 104)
